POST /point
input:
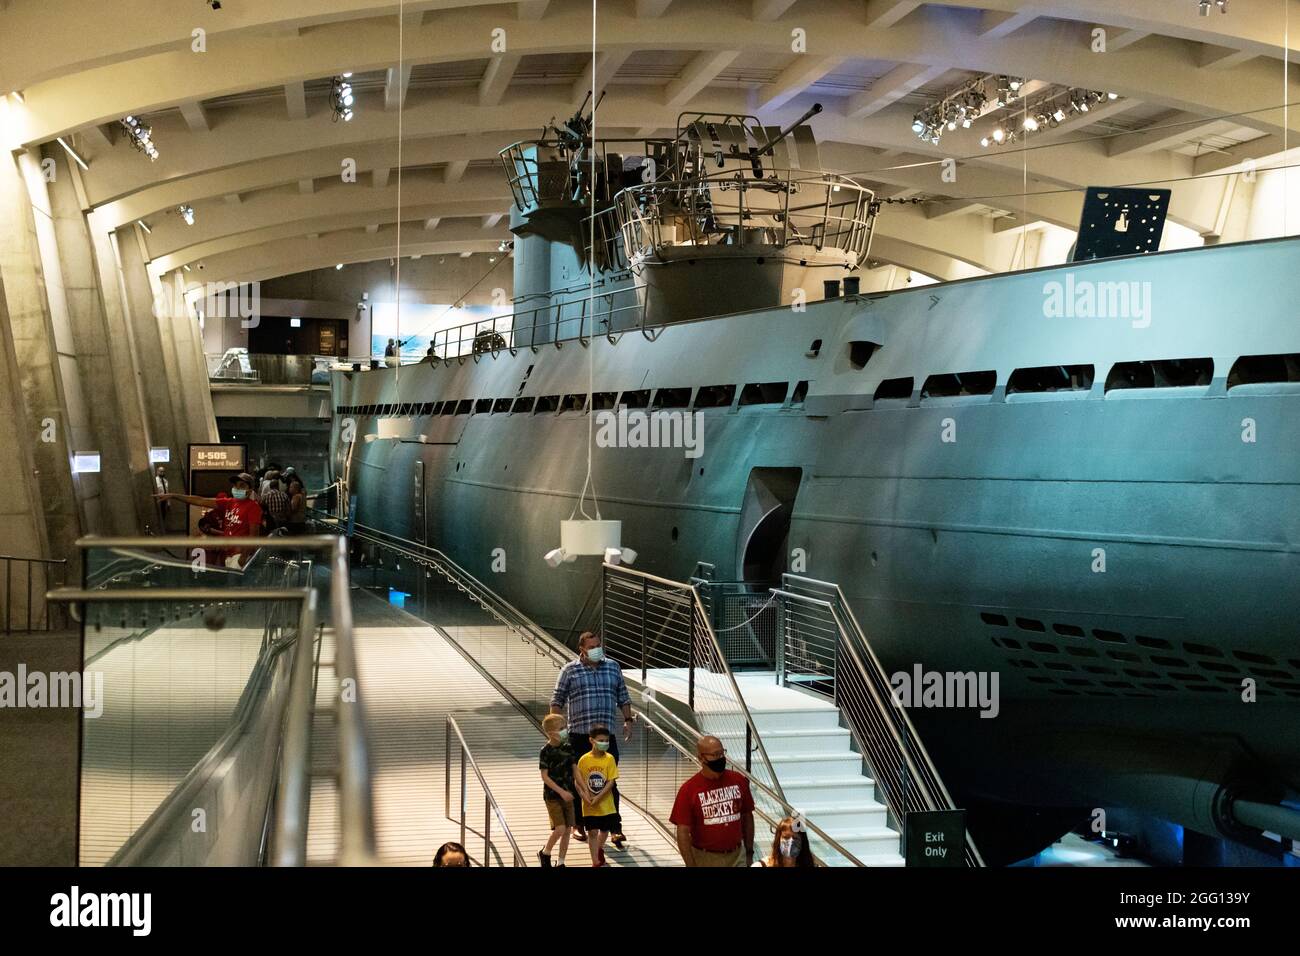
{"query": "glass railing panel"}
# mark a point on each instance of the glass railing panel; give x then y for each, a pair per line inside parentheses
(167, 677)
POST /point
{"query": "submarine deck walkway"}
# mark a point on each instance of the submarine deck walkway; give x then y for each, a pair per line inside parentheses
(413, 677)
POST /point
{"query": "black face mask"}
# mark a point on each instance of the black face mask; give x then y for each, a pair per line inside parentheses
(717, 766)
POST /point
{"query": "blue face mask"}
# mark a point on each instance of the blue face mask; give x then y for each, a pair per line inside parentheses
(596, 654)
(240, 492)
(602, 745)
(563, 734)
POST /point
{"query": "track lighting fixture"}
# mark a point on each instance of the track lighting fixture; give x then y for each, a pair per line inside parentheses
(342, 98)
(140, 135)
(187, 213)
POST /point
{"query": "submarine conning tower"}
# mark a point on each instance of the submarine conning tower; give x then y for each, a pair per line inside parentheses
(727, 216)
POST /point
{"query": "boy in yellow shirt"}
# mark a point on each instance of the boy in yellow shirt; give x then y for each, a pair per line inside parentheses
(597, 772)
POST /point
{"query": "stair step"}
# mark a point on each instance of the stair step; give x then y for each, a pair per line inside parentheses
(825, 718)
(810, 740)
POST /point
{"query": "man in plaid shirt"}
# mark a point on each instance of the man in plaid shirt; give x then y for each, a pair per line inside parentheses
(589, 692)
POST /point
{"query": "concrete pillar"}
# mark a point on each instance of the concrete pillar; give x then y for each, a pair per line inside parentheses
(125, 361)
(42, 422)
(116, 419)
(191, 365)
(21, 529)
(162, 407)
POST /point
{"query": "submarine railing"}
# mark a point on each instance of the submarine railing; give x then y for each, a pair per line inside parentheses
(267, 736)
(653, 798)
(823, 647)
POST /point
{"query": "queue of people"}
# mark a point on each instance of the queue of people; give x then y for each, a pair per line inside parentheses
(273, 499)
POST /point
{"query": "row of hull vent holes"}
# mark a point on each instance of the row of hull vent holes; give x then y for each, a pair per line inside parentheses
(1224, 677)
(708, 396)
(1174, 373)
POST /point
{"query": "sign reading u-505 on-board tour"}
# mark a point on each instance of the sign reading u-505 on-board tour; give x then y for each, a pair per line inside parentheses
(935, 838)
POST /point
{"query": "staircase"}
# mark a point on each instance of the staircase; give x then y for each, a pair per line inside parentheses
(812, 755)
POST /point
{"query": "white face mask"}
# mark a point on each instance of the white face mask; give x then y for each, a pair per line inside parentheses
(788, 847)
(596, 654)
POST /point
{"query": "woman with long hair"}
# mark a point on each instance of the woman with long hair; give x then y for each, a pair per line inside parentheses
(790, 847)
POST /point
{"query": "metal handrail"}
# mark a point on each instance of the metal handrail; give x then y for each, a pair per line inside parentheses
(490, 804)
(767, 791)
(293, 792)
(180, 802)
(438, 560)
(8, 560)
(356, 812)
(701, 619)
(909, 743)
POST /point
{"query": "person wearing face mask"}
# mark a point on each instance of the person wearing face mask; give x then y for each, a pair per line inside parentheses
(240, 514)
(595, 778)
(556, 765)
(591, 690)
(714, 812)
(790, 847)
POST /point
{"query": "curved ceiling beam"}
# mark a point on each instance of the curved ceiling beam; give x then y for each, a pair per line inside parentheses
(480, 195)
(1161, 70)
(302, 254)
(286, 168)
(106, 34)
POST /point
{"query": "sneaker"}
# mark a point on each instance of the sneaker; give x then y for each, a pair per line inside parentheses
(545, 859)
(618, 840)
(560, 866)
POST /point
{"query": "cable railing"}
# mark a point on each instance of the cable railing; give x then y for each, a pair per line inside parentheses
(262, 745)
(490, 806)
(661, 627)
(824, 649)
(27, 617)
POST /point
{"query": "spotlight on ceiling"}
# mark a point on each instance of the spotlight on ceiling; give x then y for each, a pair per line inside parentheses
(141, 136)
(187, 213)
(342, 98)
(338, 266)
(215, 4)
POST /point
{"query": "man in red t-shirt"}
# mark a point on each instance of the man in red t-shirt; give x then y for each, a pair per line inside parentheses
(241, 515)
(714, 812)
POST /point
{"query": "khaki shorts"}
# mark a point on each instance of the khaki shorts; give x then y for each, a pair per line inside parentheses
(731, 858)
(561, 813)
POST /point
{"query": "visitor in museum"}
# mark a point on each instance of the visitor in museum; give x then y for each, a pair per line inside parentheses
(590, 692)
(714, 812)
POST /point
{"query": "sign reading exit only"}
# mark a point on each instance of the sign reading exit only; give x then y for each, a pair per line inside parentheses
(935, 838)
